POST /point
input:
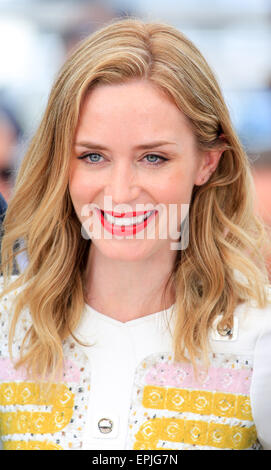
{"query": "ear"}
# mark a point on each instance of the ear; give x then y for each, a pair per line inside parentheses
(209, 162)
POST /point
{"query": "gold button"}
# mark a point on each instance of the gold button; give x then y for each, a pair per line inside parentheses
(105, 425)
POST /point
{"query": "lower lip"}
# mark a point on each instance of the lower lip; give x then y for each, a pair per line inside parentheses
(125, 229)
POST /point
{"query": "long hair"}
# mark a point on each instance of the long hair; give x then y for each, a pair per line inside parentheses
(225, 235)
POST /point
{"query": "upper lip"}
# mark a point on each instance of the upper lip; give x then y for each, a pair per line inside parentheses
(125, 214)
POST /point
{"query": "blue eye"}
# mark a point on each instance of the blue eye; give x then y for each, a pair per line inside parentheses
(155, 159)
(92, 158)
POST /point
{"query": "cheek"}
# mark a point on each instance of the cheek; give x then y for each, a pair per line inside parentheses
(80, 186)
(81, 191)
(177, 188)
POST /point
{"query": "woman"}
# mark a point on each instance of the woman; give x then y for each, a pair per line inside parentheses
(150, 324)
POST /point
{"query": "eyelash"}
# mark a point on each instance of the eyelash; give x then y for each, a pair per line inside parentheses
(163, 159)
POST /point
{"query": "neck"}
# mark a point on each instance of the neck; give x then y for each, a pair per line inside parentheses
(126, 290)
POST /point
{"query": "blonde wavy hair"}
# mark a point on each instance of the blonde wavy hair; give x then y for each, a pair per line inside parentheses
(225, 234)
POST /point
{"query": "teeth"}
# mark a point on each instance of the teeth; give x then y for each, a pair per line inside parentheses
(120, 221)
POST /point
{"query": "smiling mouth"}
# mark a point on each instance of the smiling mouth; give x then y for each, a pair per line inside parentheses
(121, 224)
(121, 220)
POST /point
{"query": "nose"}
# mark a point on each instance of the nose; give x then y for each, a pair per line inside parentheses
(122, 184)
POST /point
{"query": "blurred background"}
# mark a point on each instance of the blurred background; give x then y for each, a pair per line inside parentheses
(234, 35)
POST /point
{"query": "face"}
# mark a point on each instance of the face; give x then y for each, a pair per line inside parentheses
(133, 147)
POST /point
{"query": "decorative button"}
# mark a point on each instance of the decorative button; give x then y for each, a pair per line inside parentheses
(105, 425)
(225, 334)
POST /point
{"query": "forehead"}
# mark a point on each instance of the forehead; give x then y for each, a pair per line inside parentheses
(135, 106)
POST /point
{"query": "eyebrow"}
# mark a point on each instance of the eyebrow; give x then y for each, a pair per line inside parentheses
(148, 145)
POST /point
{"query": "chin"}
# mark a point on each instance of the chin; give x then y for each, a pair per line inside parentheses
(125, 250)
